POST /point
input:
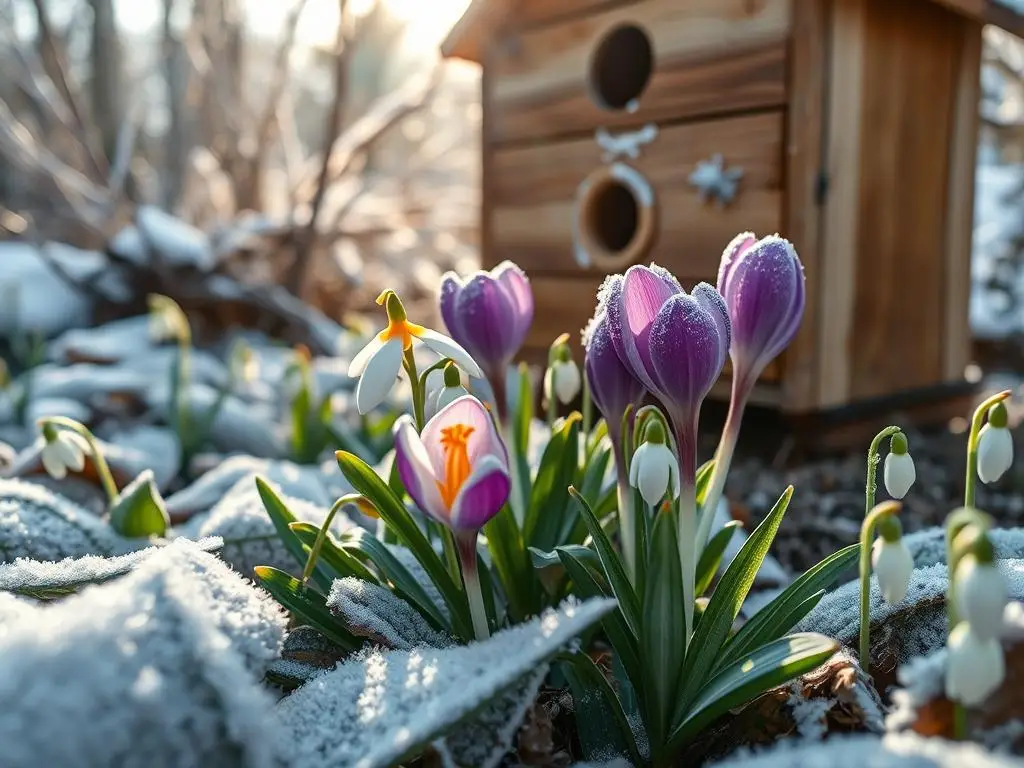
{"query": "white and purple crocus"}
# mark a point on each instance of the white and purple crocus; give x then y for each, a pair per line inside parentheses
(489, 313)
(457, 473)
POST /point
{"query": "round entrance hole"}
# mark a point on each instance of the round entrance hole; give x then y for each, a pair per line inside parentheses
(621, 67)
(615, 216)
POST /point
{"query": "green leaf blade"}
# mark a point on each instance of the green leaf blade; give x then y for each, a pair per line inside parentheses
(711, 557)
(282, 518)
(549, 499)
(604, 730)
(306, 604)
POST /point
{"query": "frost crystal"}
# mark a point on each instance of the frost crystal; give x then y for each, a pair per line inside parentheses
(372, 611)
(40, 525)
(379, 709)
(904, 750)
(250, 538)
(49, 578)
(156, 669)
(913, 627)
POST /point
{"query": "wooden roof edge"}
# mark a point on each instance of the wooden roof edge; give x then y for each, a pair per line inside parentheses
(466, 39)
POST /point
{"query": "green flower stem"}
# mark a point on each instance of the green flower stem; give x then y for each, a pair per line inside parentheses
(552, 407)
(871, 485)
(314, 553)
(977, 422)
(418, 397)
(723, 459)
(451, 554)
(627, 521)
(688, 550)
(867, 537)
(102, 468)
(588, 407)
(466, 541)
(959, 722)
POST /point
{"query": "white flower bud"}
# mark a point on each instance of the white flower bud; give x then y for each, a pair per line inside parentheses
(562, 379)
(995, 452)
(898, 472)
(980, 596)
(653, 470)
(974, 666)
(893, 564)
(63, 450)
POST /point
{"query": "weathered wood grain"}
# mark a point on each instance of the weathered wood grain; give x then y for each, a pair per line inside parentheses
(710, 57)
(910, 74)
(534, 13)
(532, 194)
(805, 127)
(960, 206)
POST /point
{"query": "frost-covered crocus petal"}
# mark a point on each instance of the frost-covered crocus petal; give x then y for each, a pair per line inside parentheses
(487, 320)
(451, 287)
(974, 667)
(514, 280)
(482, 496)
(441, 345)
(379, 375)
(484, 439)
(686, 352)
(981, 597)
(417, 471)
(893, 565)
(995, 453)
(898, 474)
(736, 247)
(52, 463)
(612, 386)
(711, 301)
(644, 292)
(358, 364)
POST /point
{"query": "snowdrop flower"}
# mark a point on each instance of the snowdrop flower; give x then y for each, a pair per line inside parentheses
(378, 363)
(655, 469)
(980, 592)
(451, 389)
(974, 665)
(167, 321)
(891, 560)
(63, 450)
(995, 446)
(457, 471)
(899, 472)
(562, 380)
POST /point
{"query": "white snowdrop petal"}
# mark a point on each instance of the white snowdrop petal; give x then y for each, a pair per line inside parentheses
(893, 565)
(73, 451)
(441, 345)
(898, 474)
(379, 376)
(363, 356)
(974, 667)
(567, 381)
(634, 466)
(995, 452)
(52, 464)
(981, 597)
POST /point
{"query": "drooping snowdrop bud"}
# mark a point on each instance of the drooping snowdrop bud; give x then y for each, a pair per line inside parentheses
(488, 313)
(167, 321)
(762, 282)
(995, 446)
(980, 592)
(562, 379)
(974, 666)
(891, 559)
(655, 469)
(63, 450)
(450, 390)
(899, 472)
(378, 363)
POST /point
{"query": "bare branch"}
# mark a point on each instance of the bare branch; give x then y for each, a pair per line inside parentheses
(282, 69)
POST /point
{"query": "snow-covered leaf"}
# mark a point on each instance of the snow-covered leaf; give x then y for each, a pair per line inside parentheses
(394, 703)
(38, 524)
(158, 668)
(372, 611)
(47, 579)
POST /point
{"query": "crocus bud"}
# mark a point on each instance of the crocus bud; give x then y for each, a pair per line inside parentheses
(488, 313)
(762, 282)
(898, 473)
(654, 469)
(562, 378)
(995, 446)
(612, 386)
(974, 665)
(891, 559)
(980, 592)
(450, 390)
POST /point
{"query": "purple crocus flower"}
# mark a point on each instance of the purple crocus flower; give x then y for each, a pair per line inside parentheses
(762, 282)
(489, 313)
(457, 471)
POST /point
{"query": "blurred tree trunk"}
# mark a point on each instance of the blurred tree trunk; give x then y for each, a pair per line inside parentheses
(106, 82)
(175, 148)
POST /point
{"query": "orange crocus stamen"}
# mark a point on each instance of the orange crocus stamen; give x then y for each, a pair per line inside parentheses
(402, 329)
(454, 440)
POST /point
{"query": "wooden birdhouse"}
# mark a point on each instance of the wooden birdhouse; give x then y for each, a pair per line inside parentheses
(623, 131)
